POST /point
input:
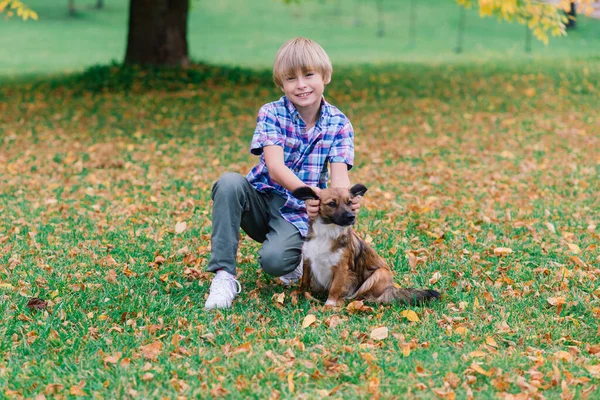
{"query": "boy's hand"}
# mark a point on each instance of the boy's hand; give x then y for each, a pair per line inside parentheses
(312, 206)
(356, 204)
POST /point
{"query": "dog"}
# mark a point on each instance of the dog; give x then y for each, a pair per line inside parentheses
(338, 261)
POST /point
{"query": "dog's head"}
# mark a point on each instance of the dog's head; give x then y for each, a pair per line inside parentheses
(335, 203)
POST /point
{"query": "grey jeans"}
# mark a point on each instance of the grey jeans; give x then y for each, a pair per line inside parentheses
(237, 204)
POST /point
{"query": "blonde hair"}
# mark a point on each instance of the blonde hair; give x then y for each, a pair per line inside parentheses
(300, 54)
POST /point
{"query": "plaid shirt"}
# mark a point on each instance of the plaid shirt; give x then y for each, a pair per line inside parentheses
(306, 152)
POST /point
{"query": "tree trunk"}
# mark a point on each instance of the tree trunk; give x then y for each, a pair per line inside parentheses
(571, 15)
(100, 4)
(72, 11)
(157, 32)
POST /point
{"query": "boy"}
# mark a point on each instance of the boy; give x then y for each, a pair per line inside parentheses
(295, 138)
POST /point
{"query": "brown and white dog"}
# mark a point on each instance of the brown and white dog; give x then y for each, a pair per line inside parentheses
(338, 261)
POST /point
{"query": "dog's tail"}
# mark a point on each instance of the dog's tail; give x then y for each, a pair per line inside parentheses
(408, 296)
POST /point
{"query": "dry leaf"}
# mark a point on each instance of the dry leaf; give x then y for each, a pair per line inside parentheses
(502, 251)
(113, 359)
(152, 350)
(290, 381)
(435, 277)
(180, 227)
(550, 227)
(556, 301)
(410, 315)
(77, 391)
(147, 376)
(37, 304)
(279, 297)
(574, 248)
(379, 333)
(308, 320)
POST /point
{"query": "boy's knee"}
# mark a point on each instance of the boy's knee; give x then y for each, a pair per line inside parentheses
(229, 182)
(276, 261)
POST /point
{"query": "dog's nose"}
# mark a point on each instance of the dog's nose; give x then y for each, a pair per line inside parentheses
(350, 218)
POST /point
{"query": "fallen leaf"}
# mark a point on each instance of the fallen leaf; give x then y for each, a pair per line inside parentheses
(113, 359)
(556, 301)
(152, 350)
(410, 315)
(37, 304)
(574, 248)
(308, 320)
(180, 227)
(502, 251)
(563, 355)
(279, 297)
(477, 368)
(358, 305)
(550, 227)
(77, 391)
(290, 381)
(379, 333)
(147, 376)
(435, 277)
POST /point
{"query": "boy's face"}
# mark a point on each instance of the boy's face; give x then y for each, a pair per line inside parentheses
(305, 89)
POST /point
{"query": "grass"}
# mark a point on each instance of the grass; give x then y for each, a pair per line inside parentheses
(241, 33)
(460, 161)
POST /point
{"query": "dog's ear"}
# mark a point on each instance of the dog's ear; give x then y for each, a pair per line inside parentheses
(305, 193)
(358, 190)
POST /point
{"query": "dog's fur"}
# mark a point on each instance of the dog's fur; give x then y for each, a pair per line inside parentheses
(338, 261)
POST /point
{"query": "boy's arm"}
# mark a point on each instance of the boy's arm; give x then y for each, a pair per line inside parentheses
(281, 174)
(278, 171)
(340, 178)
(339, 175)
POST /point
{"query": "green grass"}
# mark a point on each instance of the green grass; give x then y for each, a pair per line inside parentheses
(234, 32)
(459, 160)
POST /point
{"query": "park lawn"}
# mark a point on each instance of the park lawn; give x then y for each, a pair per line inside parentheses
(248, 33)
(105, 215)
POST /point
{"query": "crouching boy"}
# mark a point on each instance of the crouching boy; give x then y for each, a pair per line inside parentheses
(300, 139)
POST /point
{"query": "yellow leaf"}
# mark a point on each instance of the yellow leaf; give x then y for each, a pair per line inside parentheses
(405, 349)
(308, 320)
(477, 368)
(491, 341)
(6, 286)
(379, 333)
(290, 380)
(410, 315)
(461, 330)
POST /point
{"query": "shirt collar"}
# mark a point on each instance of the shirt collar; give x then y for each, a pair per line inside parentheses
(325, 108)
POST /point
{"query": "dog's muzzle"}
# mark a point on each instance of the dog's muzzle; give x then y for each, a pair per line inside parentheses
(345, 219)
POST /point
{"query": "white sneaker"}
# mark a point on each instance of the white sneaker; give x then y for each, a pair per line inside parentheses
(294, 276)
(223, 289)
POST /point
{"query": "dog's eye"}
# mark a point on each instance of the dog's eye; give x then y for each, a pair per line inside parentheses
(331, 204)
(349, 202)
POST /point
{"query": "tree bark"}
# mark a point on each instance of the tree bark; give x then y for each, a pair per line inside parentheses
(157, 32)
(572, 15)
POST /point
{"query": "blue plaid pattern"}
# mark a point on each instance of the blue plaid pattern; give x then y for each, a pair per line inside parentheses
(306, 152)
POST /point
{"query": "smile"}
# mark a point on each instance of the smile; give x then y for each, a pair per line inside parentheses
(304, 94)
